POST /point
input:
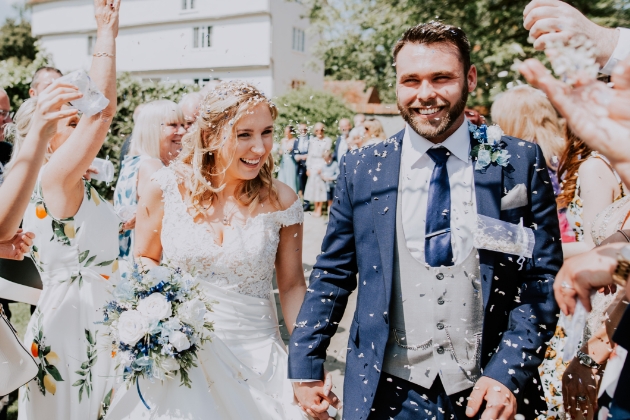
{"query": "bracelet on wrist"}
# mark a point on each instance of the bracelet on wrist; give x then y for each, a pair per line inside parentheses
(103, 54)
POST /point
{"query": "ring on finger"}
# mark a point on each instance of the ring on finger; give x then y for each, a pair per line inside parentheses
(581, 398)
(566, 285)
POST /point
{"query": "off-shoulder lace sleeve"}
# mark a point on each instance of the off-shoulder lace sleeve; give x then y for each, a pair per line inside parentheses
(292, 215)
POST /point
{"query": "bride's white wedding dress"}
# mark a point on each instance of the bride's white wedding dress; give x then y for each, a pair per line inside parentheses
(242, 373)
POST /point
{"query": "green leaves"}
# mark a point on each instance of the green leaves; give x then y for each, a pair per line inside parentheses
(84, 383)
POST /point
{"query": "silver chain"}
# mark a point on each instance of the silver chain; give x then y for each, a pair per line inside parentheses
(423, 346)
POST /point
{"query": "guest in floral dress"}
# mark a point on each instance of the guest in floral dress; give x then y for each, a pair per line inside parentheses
(75, 251)
(590, 185)
(315, 190)
(156, 141)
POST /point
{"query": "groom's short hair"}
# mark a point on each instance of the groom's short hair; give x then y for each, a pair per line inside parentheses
(436, 32)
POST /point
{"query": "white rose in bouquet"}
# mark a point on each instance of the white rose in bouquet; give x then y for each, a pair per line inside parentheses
(192, 312)
(155, 307)
(156, 275)
(494, 133)
(179, 340)
(169, 364)
(132, 326)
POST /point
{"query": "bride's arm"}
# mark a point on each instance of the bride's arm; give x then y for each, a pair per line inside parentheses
(148, 245)
(289, 270)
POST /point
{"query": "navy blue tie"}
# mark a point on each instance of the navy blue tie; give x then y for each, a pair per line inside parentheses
(437, 243)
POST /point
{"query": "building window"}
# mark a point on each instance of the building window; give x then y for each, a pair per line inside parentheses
(202, 36)
(296, 84)
(90, 43)
(298, 39)
(188, 4)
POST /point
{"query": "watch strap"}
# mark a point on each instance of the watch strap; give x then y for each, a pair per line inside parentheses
(587, 360)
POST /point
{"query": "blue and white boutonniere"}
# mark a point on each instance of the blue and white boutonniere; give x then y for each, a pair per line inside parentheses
(490, 148)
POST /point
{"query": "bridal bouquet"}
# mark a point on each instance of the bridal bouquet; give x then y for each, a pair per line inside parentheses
(157, 322)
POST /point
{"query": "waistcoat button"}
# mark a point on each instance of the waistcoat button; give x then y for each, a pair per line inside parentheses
(440, 350)
(440, 301)
(440, 326)
(440, 276)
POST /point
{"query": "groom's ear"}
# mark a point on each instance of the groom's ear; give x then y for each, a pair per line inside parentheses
(472, 78)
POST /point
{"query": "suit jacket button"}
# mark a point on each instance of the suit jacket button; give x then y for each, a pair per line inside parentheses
(440, 276)
(440, 350)
(440, 326)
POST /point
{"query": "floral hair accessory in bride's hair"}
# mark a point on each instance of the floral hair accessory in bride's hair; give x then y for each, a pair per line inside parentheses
(157, 321)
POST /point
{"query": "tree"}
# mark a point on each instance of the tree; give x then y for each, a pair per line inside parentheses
(356, 37)
(309, 106)
(16, 40)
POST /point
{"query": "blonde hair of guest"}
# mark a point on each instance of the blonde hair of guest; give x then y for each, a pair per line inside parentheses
(147, 131)
(16, 131)
(526, 113)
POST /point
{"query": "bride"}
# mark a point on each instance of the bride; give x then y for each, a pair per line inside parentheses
(218, 210)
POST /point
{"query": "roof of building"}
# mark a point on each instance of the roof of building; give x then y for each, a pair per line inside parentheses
(359, 98)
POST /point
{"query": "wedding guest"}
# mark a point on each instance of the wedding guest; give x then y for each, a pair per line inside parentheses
(475, 117)
(359, 119)
(300, 154)
(42, 78)
(156, 141)
(190, 107)
(341, 145)
(606, 126)
(329, 174)
(374, 132)
(288, 167)
(124, 149)
(554, 20)
(315, 190)
(5, 118)
(526, 113)
(78, 267)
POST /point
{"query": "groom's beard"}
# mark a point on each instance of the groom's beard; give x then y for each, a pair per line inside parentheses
(425, 128)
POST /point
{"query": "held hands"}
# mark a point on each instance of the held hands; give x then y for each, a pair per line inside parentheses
(579, 389)
(49, 107)
(315, 398)
(106, 13)
(500, 402)
(16, 247)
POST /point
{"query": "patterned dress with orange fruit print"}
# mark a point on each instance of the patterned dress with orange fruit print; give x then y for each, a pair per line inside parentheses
(77, 260)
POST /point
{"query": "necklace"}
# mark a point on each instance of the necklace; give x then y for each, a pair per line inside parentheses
(226, 220)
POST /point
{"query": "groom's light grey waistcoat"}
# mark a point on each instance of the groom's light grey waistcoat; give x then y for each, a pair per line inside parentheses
(436, 319)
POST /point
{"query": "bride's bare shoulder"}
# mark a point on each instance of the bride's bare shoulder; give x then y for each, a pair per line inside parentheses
(286, 196)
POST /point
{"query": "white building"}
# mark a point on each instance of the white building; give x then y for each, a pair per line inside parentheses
(262, 41)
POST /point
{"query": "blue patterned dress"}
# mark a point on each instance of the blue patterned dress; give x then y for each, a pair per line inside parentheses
(126, 194)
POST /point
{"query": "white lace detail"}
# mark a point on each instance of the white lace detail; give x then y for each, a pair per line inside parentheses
(245, 261)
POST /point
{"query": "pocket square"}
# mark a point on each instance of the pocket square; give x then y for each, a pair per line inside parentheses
(517, 197)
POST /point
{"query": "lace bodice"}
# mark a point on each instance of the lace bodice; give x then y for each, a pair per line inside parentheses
(244, 263)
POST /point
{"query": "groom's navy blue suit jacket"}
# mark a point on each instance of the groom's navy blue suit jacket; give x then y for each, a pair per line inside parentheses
(520, 310)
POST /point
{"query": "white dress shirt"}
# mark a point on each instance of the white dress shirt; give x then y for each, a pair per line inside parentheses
(621, 52)
(416, 168)
(343, 147)
(303, 144)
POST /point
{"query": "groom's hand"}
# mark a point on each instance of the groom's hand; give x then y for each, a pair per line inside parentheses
(315, 398)
(500, 402)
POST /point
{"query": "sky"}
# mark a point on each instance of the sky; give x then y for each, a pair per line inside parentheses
(6, 10)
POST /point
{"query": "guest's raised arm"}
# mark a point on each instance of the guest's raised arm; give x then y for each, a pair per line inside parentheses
(78, 140)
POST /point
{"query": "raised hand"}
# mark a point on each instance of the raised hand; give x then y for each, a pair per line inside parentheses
(50, 109)
(549, 21)
(17, 247)
(579, 389)
(597, 114)
(500, 402)
(106, 13)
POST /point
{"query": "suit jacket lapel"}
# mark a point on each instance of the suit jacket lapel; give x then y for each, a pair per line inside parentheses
(488, 186)
(384, 195)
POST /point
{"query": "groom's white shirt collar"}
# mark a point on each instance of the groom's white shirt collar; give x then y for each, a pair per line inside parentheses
(458, 143)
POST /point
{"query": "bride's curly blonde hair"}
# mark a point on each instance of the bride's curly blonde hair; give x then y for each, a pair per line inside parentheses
(214, 134)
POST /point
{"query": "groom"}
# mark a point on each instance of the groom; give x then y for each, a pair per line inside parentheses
(441, 330)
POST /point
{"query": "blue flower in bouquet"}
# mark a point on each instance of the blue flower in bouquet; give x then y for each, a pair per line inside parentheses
(123, 290)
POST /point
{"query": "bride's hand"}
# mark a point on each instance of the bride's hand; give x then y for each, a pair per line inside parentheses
(315, 398)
